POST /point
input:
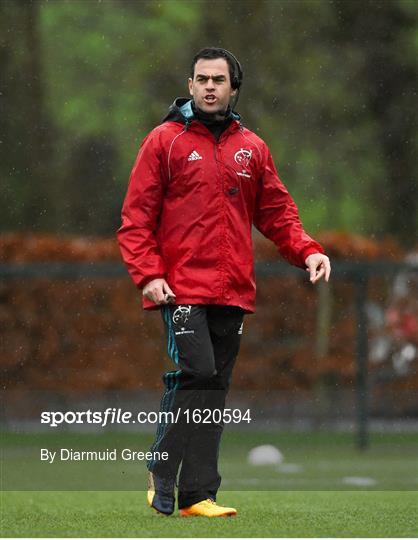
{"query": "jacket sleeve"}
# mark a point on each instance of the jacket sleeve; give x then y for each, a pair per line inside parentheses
(140, 214)
(276, 217)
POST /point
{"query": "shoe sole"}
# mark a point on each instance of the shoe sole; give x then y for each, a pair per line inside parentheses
(186, 514)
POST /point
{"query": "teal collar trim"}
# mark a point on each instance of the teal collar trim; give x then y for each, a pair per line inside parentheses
(187, 111)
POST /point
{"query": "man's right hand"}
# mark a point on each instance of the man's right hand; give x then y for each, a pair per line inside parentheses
(159, 292)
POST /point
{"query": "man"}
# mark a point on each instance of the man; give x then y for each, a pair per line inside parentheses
(199, 183)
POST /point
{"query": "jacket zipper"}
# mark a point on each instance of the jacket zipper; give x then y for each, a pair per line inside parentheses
(222, 247)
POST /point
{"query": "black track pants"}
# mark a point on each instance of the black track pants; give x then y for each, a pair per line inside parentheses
(203, 341)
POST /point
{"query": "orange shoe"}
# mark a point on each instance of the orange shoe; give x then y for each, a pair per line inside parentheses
(207, 508)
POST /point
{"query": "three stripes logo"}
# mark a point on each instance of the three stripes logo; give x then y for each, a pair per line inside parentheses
(194, 156)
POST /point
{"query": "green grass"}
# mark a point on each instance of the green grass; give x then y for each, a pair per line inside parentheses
(261, 514)
(102, 499)
(324, 460)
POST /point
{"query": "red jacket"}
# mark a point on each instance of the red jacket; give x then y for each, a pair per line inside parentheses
(190, 206)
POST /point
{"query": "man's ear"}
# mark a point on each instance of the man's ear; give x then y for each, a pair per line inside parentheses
(233, 92)
(190, 83)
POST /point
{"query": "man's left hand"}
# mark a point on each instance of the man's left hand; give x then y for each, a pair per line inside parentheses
(318, 265)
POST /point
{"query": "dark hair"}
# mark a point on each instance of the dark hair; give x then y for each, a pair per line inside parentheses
(211, 53)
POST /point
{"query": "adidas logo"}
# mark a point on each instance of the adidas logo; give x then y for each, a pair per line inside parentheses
(194, 156)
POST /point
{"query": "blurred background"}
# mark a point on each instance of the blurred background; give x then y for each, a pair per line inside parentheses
(331, 87)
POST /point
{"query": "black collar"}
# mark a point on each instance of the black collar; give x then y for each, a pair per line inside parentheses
(212, 119)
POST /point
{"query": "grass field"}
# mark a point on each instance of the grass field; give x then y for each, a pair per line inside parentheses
(261, 514)
(305, 496)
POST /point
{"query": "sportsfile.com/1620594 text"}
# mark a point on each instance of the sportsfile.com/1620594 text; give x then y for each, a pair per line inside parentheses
(114, 415)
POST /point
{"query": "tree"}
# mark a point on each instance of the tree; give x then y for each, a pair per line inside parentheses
(384, 33)
(27, 135)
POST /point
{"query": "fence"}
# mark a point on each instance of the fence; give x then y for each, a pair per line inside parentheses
(358, 274)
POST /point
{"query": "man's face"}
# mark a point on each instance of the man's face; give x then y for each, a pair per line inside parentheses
(211, 85)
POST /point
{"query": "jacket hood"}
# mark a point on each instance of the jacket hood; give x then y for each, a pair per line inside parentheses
(181, 111)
